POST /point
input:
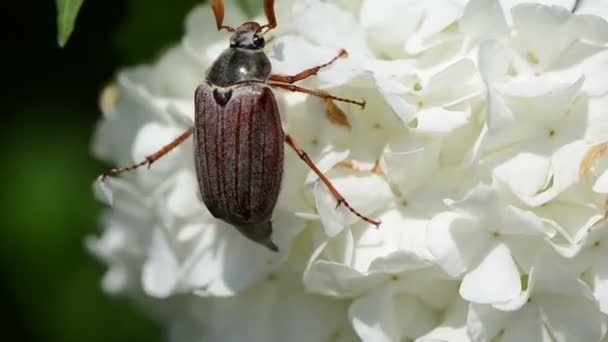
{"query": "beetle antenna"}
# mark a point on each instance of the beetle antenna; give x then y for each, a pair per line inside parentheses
(269, 11)
(218, 10)
(227, 28)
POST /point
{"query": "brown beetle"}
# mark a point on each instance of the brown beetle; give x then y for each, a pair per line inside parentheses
(238, 137)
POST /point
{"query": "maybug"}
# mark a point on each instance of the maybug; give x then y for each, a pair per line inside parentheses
(238, 137)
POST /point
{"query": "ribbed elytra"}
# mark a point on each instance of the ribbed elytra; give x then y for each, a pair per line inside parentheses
(238, 137)
(239, 157)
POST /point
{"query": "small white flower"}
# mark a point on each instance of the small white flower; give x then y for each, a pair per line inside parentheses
(486, 239)
(555, 303)
(275, 309)
(407, 305)
(593, 260)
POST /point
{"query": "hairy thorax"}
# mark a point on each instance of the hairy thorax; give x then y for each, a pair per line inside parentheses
(237, 66)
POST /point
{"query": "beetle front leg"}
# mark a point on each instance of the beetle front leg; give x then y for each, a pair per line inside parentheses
(304, 156)
(150, 158)
(306, 73)
(321, 94)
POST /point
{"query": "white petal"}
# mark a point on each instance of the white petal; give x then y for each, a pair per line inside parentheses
(572, 219)
(536, 21)
(483, 203)
(413, 316)
(398, 243)
(565, 165)
(116, 280)
(601, 183)
(522, 299)
(420, 161)
(439, 90)
(226, 263)
(389, 23)
(183, 200)
(553, 278)
(398, 262)
(525, 174)
(493, 57)
(373, 316)
(455, 242)
(597, 123)
(103, 191)
(121, 194)
(404, 110)
(274, 308)
(430, 285)
(496, 279)
(160, 272)
(526, 326)
(575, 35)
(540, 101)
(600, 280)
(453, 327)
(172, 78)
(328, 25)
(573, 319)
(182, 112)
(446, 13)
(440, 121)
(594, 84)
(189, 232)
(484, 322)
(438, 16)
(518, 221)
(483, 19)
(594, 7)
(339, 280)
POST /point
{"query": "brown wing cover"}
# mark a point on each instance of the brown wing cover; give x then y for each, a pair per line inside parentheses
(238, 153)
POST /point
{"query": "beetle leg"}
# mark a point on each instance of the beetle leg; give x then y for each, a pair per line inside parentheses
(218, 10)
(304, 156)
(150, 158)
(306, 73)
(321, 94)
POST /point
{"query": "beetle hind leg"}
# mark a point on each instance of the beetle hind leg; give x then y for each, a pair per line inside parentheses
(339, 198)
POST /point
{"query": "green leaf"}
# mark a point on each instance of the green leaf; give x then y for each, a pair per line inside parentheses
(66, 16)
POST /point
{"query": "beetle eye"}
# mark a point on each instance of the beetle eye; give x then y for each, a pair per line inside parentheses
(258, 41)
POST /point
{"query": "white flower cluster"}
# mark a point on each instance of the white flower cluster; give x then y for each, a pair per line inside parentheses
(480, 150)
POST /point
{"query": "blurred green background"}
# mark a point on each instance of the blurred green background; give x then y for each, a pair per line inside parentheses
(50, 287)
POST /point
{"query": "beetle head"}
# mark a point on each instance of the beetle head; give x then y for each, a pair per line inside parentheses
(248, 36)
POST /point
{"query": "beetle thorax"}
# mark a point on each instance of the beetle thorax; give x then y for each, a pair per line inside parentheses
(237, 65)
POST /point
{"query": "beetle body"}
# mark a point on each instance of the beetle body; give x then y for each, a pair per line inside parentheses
(239, 140)
(238, 137)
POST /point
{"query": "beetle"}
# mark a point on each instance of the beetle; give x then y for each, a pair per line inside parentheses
(238, 137)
